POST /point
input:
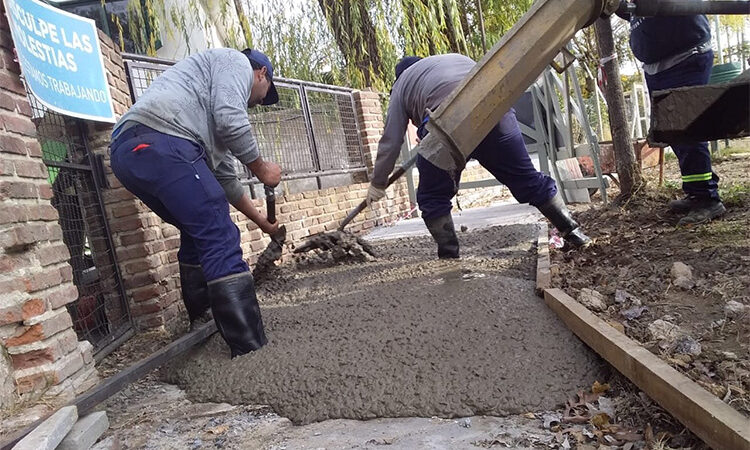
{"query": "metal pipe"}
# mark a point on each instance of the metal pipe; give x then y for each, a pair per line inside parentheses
(501, 77)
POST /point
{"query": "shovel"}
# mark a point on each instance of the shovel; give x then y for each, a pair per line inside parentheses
(329, 240)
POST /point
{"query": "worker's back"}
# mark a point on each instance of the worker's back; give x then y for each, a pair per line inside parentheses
(426, 83)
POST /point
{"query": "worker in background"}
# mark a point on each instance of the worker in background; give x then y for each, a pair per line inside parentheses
(676, 52)
(422, 84)
(172, 150)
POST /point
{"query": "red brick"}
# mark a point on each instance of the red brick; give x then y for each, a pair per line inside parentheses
(66, 273)
(41, 211)
(53, 322)
(30, 233)
(11, 285)
(18, 189)
(23, 107)
(141, 279)
(148, 322)
(43, 280)
(138, 237)
(32, 308)
(61, 295)
(11, 214)
(11, 82)
(125, 210)
(172, 243)
(45, 192)
(170, 298)
(30, 169)
(47, 351)
(10, 314)
(34, 148)
(133, 252)
(7, 102)
(52, 254)
(144, 308)
(48, 374)
(149, 292)
(18, 124)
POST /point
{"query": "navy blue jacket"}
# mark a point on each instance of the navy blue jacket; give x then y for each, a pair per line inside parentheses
(653, 39)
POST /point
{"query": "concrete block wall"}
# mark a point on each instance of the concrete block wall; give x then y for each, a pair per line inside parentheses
(39, 350)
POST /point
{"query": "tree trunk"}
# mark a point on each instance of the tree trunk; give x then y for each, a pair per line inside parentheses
(356, 38)
(628, 169)
(244, 23)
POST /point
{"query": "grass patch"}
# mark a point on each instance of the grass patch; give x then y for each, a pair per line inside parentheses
(730, 233)
(735, 194)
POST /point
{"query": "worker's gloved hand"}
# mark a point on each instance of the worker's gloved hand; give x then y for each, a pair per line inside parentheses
(374, 194)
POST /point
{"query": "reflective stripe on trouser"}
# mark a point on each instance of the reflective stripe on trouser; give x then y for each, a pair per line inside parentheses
(170, 175)
(503, 153)
(697, 177)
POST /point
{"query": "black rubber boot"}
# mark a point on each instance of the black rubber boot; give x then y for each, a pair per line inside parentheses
(557, 213)
(444, 233)
(680, 206)
(702, 211)
(236, 312)
(194, 291)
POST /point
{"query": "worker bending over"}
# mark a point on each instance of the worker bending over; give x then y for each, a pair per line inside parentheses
(172, 150)
(422, 84)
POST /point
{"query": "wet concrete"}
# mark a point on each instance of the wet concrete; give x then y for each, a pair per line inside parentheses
(403, 336)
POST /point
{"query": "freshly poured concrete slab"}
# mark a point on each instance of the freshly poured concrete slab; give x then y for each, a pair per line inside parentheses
(404, 336)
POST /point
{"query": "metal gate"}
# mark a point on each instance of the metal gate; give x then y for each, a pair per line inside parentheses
(100, 314)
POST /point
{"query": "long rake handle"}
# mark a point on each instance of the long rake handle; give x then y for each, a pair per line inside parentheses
(394, 176)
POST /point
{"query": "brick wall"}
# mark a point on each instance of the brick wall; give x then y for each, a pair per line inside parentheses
(40, 350)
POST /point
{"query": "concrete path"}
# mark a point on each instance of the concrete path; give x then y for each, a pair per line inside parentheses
(502, 214)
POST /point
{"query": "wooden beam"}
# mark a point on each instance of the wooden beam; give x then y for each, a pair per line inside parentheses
(543, 273)
(718, 424)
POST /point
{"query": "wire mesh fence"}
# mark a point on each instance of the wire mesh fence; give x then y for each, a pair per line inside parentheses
(312, 131)
(100, 313)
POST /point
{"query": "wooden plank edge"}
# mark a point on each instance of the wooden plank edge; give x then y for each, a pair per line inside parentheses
(718, 424)
(543, 274)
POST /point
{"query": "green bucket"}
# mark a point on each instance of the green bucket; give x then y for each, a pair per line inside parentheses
(723, 73)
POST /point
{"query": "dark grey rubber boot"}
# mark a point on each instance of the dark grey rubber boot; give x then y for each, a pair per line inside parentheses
(557, 213)
(194, 291)
(702, 211)
(444, 233)
(680, 206)
(236, 312)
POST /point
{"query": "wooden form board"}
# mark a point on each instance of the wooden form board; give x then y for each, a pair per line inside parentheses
(718, 424)
(543, 273)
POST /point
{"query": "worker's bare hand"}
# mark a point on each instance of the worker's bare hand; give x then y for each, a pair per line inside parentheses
(268, 227)
(269, 174)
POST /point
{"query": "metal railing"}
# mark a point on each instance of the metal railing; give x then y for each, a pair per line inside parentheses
(312, 131)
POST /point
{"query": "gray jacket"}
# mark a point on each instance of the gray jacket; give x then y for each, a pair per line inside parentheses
(423, 85)
(203, 98)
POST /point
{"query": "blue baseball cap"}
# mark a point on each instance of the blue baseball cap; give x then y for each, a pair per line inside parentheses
(272, 97)
(405, 63)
